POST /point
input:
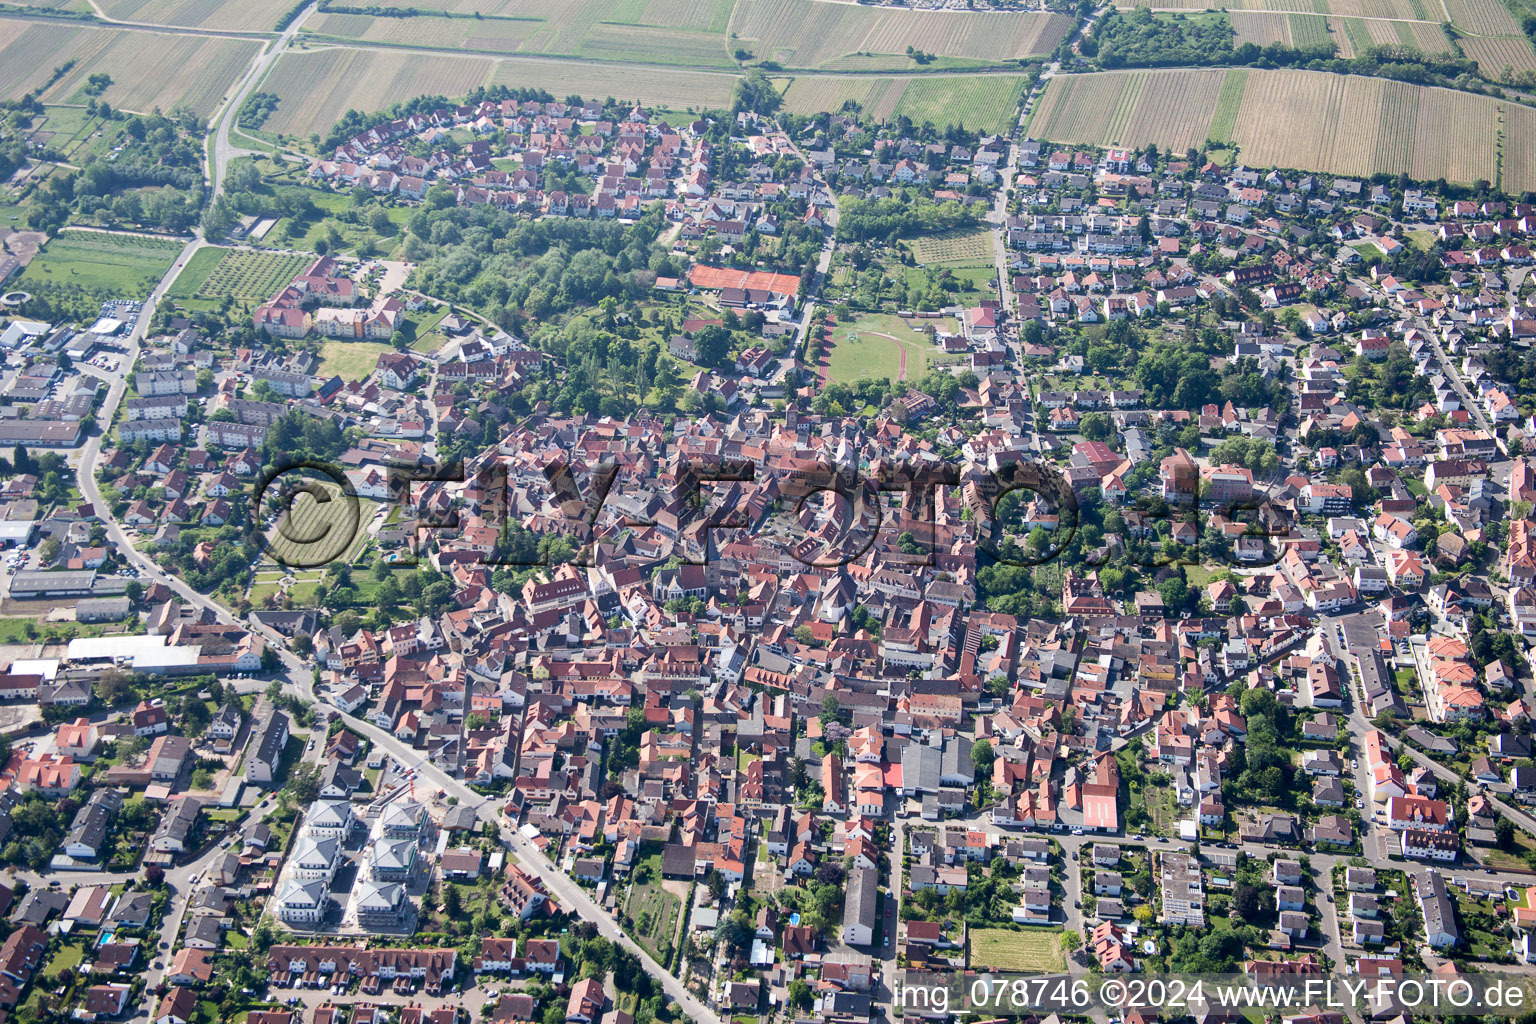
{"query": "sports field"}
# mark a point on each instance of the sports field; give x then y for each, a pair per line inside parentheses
(1315, 121)
(148, 69)
(1034, 949)
(878, 345)
(107, 266)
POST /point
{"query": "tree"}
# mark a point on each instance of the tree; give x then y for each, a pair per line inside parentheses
(1095, 426)
(1504, 833)
(1175, 593)
(981, 759)
(800, 994)
(1247, 902)
(712, 345)
(452, 905)
(304, 782)
(194, 716)
(114, 687)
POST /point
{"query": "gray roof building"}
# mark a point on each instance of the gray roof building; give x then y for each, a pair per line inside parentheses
(859, 903)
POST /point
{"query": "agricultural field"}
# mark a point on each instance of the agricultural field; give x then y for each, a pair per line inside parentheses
(645, 44)
(1308, 120)
(78, 6)
(1519, 170)
(243, 274)
(1173, 109)
(1499, 58)
(878, 345)
(1035, 949)
(148, 69)
(1262, 28)
(812, 34)
(678, 90)
(1308, 29)
(108, 266)
(684, 32)
(1482, 17)
(219, 15)
(1408, 10)
(316, 87)
(964, 247)
(981, 102)
(1489, 33)
(704, 33)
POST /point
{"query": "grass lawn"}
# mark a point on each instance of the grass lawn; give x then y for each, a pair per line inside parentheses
(1037, 949)
(1199, 575)
(108, 266)
(350, 360)
(1422, 239)
(1160, 806)
(192, 276)
(14, 630)
(68, 955)
(873, 346)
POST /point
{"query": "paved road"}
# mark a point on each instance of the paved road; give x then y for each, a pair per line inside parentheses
(223, 150)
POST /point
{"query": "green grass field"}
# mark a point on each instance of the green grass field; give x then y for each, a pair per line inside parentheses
(1038, 949)
(350, 360)
(654, 912)
(875, 349)
(109, 266)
